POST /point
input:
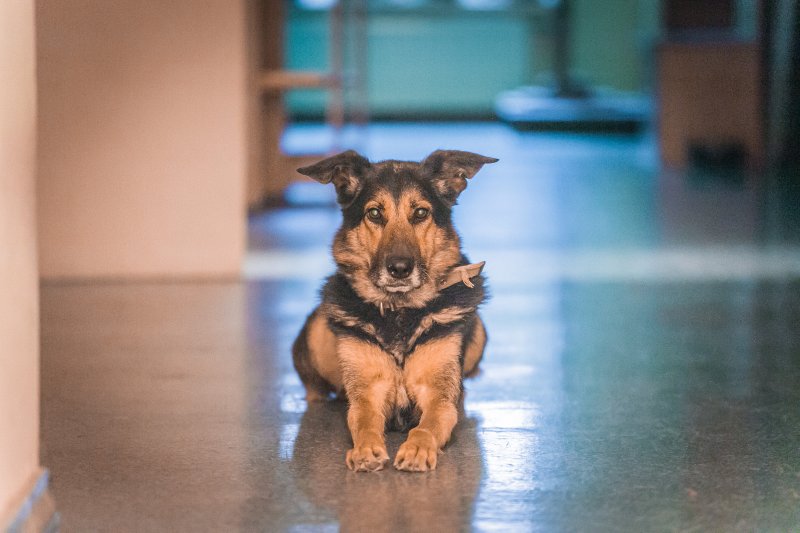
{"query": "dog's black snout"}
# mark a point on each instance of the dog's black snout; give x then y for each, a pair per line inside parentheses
(400, 267)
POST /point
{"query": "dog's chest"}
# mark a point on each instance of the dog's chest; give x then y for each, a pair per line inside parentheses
(399, 331)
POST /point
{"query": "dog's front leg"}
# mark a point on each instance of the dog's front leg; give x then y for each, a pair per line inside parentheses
(433, 379)
(368, 374)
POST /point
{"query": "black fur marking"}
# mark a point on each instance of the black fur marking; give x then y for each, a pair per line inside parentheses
(449, 170)
(346, 170)
(403, 418)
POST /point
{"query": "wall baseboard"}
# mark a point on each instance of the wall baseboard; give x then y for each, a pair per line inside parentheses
(37, 511)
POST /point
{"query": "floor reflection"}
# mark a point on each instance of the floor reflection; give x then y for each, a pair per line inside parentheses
(390, 500)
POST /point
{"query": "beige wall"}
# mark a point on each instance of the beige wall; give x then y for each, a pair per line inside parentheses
(141, 138)
(19, 323)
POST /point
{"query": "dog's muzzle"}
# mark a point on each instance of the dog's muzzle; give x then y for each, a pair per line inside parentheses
(399, 275)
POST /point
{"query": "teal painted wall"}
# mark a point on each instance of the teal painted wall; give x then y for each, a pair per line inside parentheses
(613, 42)
(459, 61)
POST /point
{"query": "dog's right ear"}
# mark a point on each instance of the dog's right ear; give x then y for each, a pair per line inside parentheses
(346, 170)
(449, 171)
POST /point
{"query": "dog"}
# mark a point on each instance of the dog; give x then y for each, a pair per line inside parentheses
(397, 328)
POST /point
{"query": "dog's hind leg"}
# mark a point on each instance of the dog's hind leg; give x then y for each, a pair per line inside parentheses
(314, 358)
(474, 344)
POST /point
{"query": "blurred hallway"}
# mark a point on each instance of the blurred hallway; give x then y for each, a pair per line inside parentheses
(641, 372)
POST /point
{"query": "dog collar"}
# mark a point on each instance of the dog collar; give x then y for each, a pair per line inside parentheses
(462, 274)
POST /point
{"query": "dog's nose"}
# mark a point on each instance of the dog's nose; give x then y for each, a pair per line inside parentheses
(399, 267)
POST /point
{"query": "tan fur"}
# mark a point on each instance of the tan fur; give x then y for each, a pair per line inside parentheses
(375, 385)
(370, 378)
(356, 248)
(474, 349)
(322, 348)
(432, 377)
(449, 314)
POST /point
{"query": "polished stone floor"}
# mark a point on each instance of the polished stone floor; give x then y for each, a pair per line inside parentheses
(642, 373)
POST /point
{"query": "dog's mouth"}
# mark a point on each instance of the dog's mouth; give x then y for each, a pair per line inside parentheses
(391, 285)
(398, 288)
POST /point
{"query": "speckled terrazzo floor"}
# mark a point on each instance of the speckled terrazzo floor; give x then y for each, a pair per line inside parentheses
(643, 370)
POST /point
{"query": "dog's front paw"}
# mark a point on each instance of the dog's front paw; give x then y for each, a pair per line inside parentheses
(367, 458)
(418, 453)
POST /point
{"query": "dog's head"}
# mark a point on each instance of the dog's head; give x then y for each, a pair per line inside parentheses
(397, 238)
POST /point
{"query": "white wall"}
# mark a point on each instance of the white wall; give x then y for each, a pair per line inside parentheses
(142, 150)
(19, 323)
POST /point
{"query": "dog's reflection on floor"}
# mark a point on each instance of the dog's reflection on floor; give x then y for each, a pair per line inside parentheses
(442, 500)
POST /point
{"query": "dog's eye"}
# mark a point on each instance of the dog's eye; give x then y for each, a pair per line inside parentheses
(374, 214)
(421, 213)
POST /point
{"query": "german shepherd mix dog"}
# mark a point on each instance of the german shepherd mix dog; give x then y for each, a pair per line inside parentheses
(397, 327)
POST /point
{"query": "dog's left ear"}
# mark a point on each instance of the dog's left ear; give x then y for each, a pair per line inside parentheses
(449, 171)
(346, 170)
